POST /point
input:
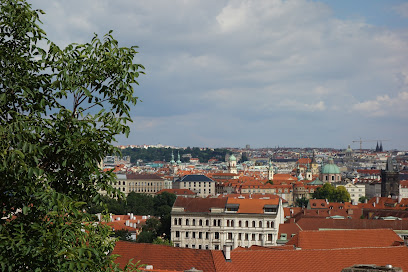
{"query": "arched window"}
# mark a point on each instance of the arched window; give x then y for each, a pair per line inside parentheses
(187, 222)
(246, 224)
(175, 221)
(200, 222)
(272, 224)
(215, 222)
(193, 222)
(232, 223)
(253, 224)
(260, 224)
(228, 223)
(219, 222)
(207, 222)
(267, 224)
(239, 223)
(179, 221)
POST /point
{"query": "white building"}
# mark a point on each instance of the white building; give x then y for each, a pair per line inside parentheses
(200, 184)
(356, 190)
(211, 223)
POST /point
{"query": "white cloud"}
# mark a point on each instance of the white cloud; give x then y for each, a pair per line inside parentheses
(385, 105)
(249, 60)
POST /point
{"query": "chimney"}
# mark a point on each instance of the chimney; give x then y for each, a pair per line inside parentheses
(131, 216)
(327, 201)
(127, 223)
(227, 253)
(399, 199)
(99, 216)
(377, 199)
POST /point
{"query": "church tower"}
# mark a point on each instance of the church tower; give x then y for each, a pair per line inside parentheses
(232, 165)
(390, 179)
(270, 170)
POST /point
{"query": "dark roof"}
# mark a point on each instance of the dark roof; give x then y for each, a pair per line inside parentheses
(196, 178)
(200, 204)
(319, 223)
(142, 176)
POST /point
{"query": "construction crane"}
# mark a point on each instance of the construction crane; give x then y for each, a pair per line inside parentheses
(361, 142)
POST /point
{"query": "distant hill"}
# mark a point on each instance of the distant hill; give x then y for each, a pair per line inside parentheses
(164, 154)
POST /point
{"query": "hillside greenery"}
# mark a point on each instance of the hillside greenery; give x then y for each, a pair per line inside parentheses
(164, 154)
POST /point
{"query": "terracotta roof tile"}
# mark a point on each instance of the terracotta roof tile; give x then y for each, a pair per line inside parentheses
(164, 257)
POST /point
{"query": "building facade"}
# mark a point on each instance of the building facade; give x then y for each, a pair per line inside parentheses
(199, 184)
(212, 223)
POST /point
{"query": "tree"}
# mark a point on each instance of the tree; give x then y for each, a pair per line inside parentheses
(332, 194)
(362, 199)
(49, 151)
(302, 202)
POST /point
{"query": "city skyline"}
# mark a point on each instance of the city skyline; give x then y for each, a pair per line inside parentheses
(264, 73)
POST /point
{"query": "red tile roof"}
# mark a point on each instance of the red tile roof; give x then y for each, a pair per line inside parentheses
(330, 239)
(163, 257)
(309, 260)
(200, 204)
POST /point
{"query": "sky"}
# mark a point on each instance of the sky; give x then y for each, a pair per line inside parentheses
(268, 73)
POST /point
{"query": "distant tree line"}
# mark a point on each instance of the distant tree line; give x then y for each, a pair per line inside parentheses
(164, 154)
(158, 206)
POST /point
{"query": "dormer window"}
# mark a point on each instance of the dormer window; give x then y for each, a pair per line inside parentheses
(232, 208)
(271, 209)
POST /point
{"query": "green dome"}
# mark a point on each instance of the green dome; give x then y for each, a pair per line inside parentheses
(232, 158)
(330, 168)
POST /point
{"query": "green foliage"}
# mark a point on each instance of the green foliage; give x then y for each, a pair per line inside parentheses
(50, 153)
(161, 241)
(122, 234)
(362, 199)
(332, 194)
(302, 202)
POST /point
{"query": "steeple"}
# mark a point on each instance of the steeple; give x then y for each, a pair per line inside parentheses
(381, 148)
(178, 158)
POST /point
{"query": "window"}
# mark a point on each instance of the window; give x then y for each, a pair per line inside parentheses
(219, 222)
(194, 235)
(193, 222)
(214, 222)
(177, 234)
(187, 222)
(186, 245)
(179, 221)
(239, 236)
(199, 246)
(228, 223)
(246, 224)
(216, 235)
(206, 247)
(267, 224)
(239, 223)
(253, 224)
(246, 236)
(260, 224)
(283, 236)
(229, 237)
(187, 234)
(269, 237)
(260, 237)
(207, 222)
(175, 221)
(192, 246)
(200, 235)
(216, 247)
(200, 222)
(123, 189)
(177, 245)
(253, 237)
(207, 235)
(232, 223)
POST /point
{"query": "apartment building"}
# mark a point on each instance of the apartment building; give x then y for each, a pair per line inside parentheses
(212, 223)
(199, 184)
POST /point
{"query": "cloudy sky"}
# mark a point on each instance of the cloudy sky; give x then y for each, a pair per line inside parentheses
(219, 73)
